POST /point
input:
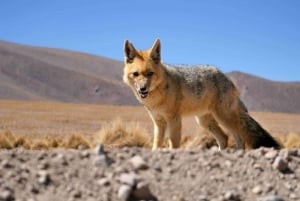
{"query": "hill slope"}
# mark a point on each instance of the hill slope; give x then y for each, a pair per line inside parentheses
(36, 73)
(264, 95)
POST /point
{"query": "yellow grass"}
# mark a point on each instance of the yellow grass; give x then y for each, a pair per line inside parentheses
(118, 134)
(44, 125)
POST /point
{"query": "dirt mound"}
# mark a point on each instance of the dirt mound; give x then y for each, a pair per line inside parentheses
(142, 174)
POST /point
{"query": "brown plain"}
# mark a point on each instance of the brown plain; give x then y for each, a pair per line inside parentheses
(38, 125)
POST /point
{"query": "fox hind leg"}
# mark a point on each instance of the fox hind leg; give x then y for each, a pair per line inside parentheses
(230, 118)
(211, 125)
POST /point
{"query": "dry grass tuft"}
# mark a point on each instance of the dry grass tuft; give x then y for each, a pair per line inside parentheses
(193, 141)
(5, 140)
(39, 144)
(9, 140)
(76, 141)
(292, 140)
(119, 134)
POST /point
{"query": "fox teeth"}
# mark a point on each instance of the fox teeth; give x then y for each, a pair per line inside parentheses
(144, 95)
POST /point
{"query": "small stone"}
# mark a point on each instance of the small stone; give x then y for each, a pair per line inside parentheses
(102, 160)
(7, 195)
(43, 166)
(99, 149)
(293, 196)
(203, 198)
(34, 190)
(129, 179)
(6, 164)
(258, 167)
(104, 182)
(85, 154)
(76, 194)
(231, 196)
(44, 177)
(124, 192)
(257, 190)
(285, 154)
(228, 163)
(240, 153)
(270, 198)
(214, 150)
(280, 164)
(138, 163)
(142, 192)
(271, 154)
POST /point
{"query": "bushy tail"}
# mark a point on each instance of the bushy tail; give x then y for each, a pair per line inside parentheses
(259, 136)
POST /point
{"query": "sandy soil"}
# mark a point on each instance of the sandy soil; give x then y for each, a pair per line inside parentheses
(142, 174)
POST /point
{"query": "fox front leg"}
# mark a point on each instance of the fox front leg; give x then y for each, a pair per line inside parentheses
(174, 132)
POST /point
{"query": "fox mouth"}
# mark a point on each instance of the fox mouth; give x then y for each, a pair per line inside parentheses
(143, 94)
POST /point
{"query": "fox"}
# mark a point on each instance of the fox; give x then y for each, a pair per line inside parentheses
(170, 92)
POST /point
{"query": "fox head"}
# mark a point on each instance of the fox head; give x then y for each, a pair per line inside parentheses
(143, 70)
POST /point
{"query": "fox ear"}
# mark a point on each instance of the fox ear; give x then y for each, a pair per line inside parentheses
(129, 51)
(155, 51)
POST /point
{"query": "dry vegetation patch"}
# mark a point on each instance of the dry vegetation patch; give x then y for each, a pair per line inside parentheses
(44, 125)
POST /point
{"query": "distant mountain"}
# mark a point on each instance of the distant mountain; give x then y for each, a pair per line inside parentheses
(264, 95)
(38, 73)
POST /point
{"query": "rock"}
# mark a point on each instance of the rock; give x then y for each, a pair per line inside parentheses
(203, 198)
(43, 165)
(60, 158)
(142, 192)
(129, 179)
(270, 198)
(284, 154)
(99, 149)
(44, 177)
(124, 192)
(7, 195)
(104, 181)
(138, 163)
(280, 164)
(6, 164)
(231, 196)
(85, 154)
(76, 194)
(257, 190)
(102, 160)
(271, 154)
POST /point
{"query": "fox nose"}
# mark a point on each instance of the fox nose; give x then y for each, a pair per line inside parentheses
(143, 89)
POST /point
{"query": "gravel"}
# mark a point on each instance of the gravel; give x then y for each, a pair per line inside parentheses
(109, 174)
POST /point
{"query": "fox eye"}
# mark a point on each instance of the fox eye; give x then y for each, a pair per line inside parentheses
(135, 74)
(149, 74)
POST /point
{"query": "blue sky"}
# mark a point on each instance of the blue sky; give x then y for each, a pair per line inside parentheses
(260, 37)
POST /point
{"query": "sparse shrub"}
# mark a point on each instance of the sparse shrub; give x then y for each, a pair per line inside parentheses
(75, 141)
(119, 134)
(292, 140)
(39, 144)
(6, 141)
(194, 141)
(54, 141)
(20, 142)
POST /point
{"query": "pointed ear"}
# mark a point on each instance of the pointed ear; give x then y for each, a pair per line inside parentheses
(129, 52)
(155, 51)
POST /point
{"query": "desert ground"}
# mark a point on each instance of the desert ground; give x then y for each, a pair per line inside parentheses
(62, 151)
